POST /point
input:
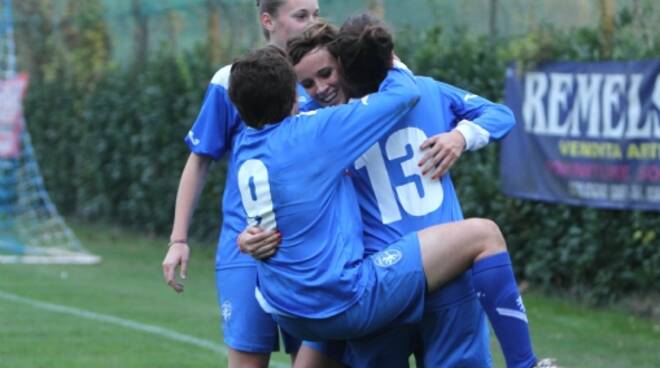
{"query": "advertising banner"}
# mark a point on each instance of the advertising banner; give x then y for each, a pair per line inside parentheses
(586, 134)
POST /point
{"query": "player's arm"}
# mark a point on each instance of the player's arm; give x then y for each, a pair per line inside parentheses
(191, 184)
(478, 122)
(347, 131)
(208, 139)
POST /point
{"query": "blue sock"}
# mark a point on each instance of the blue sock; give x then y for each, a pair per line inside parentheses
(498, 292)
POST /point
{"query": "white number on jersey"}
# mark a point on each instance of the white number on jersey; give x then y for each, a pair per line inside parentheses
(255, 194)
(407, 194)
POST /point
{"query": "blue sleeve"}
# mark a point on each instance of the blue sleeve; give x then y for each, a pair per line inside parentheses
(216, 125)
(496, 119)
(346, 131)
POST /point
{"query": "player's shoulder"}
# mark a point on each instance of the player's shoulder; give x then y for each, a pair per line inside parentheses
(221, 77)
(428, 81)
(443, 88)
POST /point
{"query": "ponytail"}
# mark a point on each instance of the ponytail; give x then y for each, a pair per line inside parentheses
(364, 47)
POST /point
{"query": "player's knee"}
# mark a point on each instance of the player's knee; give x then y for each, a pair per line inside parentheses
(493, 240)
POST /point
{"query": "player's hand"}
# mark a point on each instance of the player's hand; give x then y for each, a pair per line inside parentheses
(440, 153)
(177, 256)
(259, 243)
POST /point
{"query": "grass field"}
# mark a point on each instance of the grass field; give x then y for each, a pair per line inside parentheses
(121, 314)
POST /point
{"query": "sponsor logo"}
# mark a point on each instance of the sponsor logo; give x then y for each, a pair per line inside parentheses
(520, 314)
(506, 312)
(225, 309)
(388, 257)
(192, 138)
(521, 306)
(469, 96)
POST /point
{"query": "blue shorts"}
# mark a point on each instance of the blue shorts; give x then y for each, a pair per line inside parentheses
(394, 295)
(246, 327)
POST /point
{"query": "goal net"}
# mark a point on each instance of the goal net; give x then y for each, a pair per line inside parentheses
(31, 229)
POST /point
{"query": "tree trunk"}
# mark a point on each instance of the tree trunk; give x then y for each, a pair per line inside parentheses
(607, 27)
(376, 8)
(213, 30)
(141, 34)
(492, 21)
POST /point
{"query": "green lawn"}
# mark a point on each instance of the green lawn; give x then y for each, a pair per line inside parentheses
(121, 314)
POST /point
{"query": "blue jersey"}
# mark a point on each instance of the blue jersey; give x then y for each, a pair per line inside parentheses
(212, 135)
(292, 176)
(395, 199)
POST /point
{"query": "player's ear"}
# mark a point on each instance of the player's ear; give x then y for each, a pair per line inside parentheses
(266, 21)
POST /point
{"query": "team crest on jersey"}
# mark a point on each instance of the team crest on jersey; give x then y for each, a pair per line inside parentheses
(225, 309)
(388, 257)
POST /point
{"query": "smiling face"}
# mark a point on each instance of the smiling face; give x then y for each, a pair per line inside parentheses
(290, 20)
(318, 72)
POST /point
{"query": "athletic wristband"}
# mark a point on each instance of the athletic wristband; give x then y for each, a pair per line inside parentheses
(177, 241)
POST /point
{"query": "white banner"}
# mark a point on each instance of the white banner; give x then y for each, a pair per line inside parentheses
(12, 92)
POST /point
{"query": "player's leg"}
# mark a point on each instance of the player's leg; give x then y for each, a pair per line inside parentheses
(292, 345)
(388, 348)
(315, 354)
(455, 336)
(240, 359)
(449, 249)
(249, 333)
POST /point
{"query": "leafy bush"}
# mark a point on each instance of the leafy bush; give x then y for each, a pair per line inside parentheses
(599, 255)
(115, 153)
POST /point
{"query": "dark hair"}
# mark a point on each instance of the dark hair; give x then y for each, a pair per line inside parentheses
(271, 7)
(364, 48)
(318, 34)
(262, 86)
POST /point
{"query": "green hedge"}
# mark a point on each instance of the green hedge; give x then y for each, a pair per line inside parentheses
(598, 255)
(113, 151)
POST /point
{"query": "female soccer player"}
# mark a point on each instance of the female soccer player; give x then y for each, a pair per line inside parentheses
(317, 70)
(250, 334)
